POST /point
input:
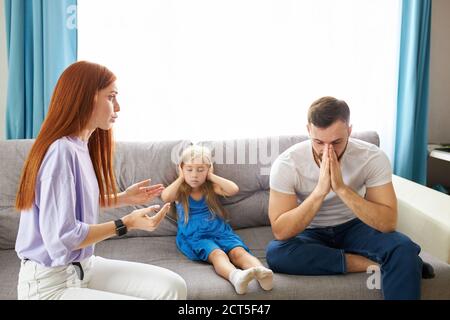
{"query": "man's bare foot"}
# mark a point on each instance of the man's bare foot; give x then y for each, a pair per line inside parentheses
(357, 263)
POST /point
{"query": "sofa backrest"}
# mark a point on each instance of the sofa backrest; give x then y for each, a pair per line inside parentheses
(133, 162)
(246, 162)
(137, 161)
(13, 154)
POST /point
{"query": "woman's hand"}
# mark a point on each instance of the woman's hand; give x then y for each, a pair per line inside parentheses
(141, 193)
(138, 219)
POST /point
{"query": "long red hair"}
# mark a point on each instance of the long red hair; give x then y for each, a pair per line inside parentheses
(70, 109)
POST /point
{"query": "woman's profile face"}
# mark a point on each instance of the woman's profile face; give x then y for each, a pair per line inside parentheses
(105, 108)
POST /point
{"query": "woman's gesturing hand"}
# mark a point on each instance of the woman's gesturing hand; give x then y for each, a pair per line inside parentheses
(142, 192)
(139, 219)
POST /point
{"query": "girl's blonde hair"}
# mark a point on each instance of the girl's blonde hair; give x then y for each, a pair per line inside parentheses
(199, 155)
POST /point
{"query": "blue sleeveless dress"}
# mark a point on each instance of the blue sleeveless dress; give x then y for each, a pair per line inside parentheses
(204, 232)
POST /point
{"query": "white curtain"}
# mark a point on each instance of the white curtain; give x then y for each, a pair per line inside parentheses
(222, 69)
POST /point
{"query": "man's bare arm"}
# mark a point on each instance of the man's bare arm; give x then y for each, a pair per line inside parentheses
(287, 217)
(378, 209)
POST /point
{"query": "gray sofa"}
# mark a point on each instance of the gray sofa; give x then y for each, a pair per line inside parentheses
(247, 162)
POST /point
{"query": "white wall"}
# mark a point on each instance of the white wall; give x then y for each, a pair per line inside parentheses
(3, 71)
(439, 114)
(439, 129)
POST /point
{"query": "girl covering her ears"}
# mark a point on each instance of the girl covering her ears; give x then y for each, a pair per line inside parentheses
(203, 234)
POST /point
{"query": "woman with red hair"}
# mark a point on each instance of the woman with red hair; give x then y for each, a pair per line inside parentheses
(67, 177)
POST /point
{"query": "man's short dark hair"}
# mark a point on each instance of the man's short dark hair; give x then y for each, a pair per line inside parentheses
(326, 110)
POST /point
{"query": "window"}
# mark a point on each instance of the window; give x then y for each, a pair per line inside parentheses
(215, 69)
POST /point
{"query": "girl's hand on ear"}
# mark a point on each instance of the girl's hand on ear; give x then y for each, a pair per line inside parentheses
(210, 172)
(180, 172)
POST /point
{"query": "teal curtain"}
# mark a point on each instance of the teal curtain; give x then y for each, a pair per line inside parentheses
(41, 38)
(410, 156)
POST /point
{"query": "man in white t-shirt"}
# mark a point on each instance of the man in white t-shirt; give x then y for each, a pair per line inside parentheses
(333, 208)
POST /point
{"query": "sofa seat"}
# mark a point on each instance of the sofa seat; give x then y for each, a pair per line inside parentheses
(203, 283)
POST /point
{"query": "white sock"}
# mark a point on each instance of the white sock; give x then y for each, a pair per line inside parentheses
(241, 278)
(264, 277)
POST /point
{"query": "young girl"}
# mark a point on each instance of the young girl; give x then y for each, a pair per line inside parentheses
(203, 233)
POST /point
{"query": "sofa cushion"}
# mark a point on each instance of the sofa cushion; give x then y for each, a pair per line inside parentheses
(247, 162)
(13, 154)
(162, 251)
(137, 161)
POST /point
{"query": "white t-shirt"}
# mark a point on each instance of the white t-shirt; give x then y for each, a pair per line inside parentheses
(363, 165)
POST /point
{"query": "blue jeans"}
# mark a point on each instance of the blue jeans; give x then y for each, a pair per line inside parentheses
(320, 251)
